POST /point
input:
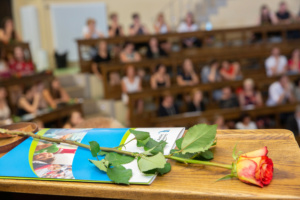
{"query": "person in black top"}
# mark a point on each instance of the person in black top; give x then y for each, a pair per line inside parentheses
(167, 106)
(137, 28)
(115, 29)
(187, 76)
(283, 14)
(228, 100)
(102, 56)
(160, 79)
(293, 122)
(29, 102)
(196, 104)
(154, 50)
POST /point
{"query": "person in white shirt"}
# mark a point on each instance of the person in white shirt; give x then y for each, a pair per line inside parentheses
(280, 92)
(276, 64)
(246, 123)
(188, 25)
(90, 31)
(161, 27)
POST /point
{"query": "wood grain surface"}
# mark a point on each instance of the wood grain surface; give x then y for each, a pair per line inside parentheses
(196, 181)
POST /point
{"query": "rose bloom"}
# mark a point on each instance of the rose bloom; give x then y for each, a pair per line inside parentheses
(255, 167)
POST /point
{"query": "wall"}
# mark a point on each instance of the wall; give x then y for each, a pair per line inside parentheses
(235, 13)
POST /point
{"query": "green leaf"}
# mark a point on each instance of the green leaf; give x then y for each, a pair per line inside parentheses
(147, 163)
(140, 135)
(102, 153)
(179, 142)
(102, 164)
(158, 146)
(207, 155)
(229, 176)
(141, 143)
(119, 174)
(180, 155)
(95, 148)
(199, 138)
(118, 159)
(51, 149)
(160, 171)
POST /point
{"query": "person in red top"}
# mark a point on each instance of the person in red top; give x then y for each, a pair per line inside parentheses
(230, 71)
(294, 62)
(20, 66)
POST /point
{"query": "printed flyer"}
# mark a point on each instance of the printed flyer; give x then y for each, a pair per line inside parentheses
(42, 160)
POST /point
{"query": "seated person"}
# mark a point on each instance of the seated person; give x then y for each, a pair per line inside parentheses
(297, 90)
(74, 120)
(20, 66)
(276, 64)
(188, 75)
(101, 57)
(5, 118)
(56, 95)
(4, 69)
(220, 122)
(167, 106)
(161, 26)
(210, 73)
(266, 17)
(115, 29)
(90, 31)
(294, 62)
(189, 25)
(292, 122)
(154, 50)
(197, 103)
(283, 15)
(281, 92)
(137, 28)
(160, 79)
(29, 102)
(128, 54)
(249, 97)
(245, 123)
(228, 99)
(230, 71)
(8, 33)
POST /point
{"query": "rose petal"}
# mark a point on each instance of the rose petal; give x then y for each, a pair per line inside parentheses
(246, 170)
(258, 153)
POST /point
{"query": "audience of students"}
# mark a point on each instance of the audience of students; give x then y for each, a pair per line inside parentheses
(74, 120)
(210, 73)
(115, 29)
(137, 28)
(90, 31)
(266, 16)
(187, 76)
(5, 113)
(230, 71)
(160, 25)
(56, 95)
(197, 102)
(101, 57)
(128, 54)
(228, 99)
(281, 92)
(249, 97)
(167, 107)
(160, 79)
(294, 62)
(276, 64)
(29, 102)
(20, 66)
(245, 123)
(293, 122)
(8, 33)
(154, 50)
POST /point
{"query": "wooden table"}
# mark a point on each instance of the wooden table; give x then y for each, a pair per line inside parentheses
(195, 182)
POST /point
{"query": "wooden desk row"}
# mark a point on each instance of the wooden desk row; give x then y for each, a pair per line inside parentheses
(247, 56)
(216, 38)
(154, 96)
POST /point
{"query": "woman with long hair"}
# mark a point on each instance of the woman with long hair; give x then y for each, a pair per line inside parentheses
(7, 32)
